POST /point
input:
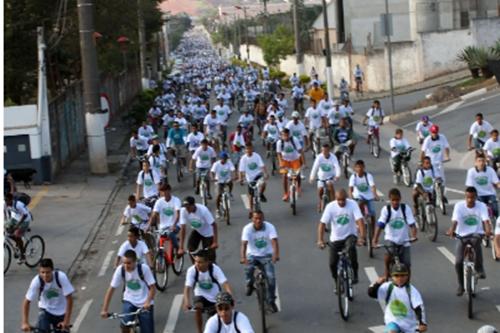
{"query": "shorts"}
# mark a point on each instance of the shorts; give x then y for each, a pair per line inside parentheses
(21, 229)
(321, 183)
(286, 165)
(205, 304)
(255, 180)
(194, 240)
(370, 204)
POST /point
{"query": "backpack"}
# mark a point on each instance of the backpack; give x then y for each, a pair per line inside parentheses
(403, 210)
(219, 323)
(366, 178)
(292, 141)
(210, 272)
(408, 291)
(23, 197)
(139, 271)
(421, 170)
(150, 174)
(42, 283)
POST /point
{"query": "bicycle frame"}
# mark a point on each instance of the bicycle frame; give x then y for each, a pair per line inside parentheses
(255, 197)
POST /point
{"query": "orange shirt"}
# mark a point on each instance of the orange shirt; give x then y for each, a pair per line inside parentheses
(316, 94)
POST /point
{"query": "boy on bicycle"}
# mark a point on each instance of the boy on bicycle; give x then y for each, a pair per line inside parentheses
(54, 293)
(327, 170)
(204, 156)
(167, 210)
(227, 319)
(139, 292)
(223, 173)
(18, 218)
(362, 189)
(289, 150)
(374, 118)
(398, 145)
(424, 183)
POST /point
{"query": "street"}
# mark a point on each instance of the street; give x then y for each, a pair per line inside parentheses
(306, 298)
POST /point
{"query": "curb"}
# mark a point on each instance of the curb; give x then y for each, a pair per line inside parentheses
(84, 250)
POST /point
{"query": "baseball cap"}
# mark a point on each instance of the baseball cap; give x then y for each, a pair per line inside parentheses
(224, 298)
(188, 201)
(295, 114)
(399, 269)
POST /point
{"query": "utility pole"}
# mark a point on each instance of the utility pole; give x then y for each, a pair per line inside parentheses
(96, 138)
(165, 18)
(388, 33)
(328, 53)
(142, 46)
(245, 26)
(298, 52)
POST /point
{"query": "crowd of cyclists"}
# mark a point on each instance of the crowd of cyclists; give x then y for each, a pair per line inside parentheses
(188, 131)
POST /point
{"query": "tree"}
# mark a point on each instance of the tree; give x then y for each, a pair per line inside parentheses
(276, 46)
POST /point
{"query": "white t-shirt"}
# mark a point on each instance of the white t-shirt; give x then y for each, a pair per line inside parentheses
(362, 186)
(396, 230)
(399, 309)
(52, 298)
(375, 116)
(480, 132)
(150, 187)
(469, 220)
(222, 113)
(342, 219)
(223, 172)
(272, 131)
(422, 130)
(194, 140)
(167, 211)
(492, 147)
(251, 166)
(138, 215)
(245, 120)
(136, 290)
(400, 145)
(435, 148)
(259, 241)
(146, 132)
(315, 117)
(426, 178)
(156, 162)
(242, 322)
(140, 143)
(335, 115)
(141, 249)
(484, 181)
(325, 105)
(200, 220)
(205, 287)
(211, 123)
(204, 157)
(297, 130)
(325, 168)
(287, 150)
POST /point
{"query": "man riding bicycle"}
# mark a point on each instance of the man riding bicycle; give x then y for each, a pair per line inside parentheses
(424, 183)
(362, 189)
(343, 136)
(18, 218)
(253, 169)
(167, 210)
(485, 180)
(374, 119)
(326, 170)
(223, 173)
(398, 145)
(315, 119)
(492, 149)
(478, 132)
(203, 158)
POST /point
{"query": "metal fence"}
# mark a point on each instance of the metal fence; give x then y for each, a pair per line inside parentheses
(67, 115)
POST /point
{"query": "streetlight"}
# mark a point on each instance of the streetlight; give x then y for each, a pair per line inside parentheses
(165, 17)
(123, 41)
(246, 28)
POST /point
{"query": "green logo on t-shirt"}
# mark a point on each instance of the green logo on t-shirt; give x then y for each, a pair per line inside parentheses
(436, 149)
(252, 166)
(427, 181)
(168, 211)
(260, 243)
(206, 284)
(223, 173)
(401, 147)
(336, 115)
(376, 118)
(363, 187)
(397, 223)
(288, 150)
(398, 309)
(272, 130)
(148, 182)
(325, 167)
(204, 157)
(496, 152)
(296, 133)
(481, 180)
(52, 293)
(342, 219)
(481, 134)
(315, 116)
(471, 220)
(196, 224)
(425, 133)
(137, 218)
(133, 285)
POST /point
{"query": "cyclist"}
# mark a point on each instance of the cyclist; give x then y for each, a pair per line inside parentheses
(194, 138)
(140, 248)
(342, 215)
(180, 118)
(282, 102)
(326, 169)
(158, 162)
(362, 189)
(315, 119)
(290, 154)
(223, 173)
(253, 169)
(270, 134)
(492, 149)
(334, 115)
(18, 218)
(176, 143)
(204, 229)
(260, 247)
(260, 113)
(227, 320)
(204, 157)
(138, 292)
(437, 148)
(344, 89)
(138, 145)
(238, 139)
(423, 129)
(485, 180)
(470, 217)
(478, 132)
(298, 96)
(167, 210)
(246, 120)
(404, 308)
(374, 118)
(204, 280)
(398, 145)
(294, 80)
(168, 121)
(54, 293)
(424, 183)
(212, 129)
(148, 181)
(347, 111)
(396, 219)
(223, 112)
(358, 77)
(326, 104)
(298, 131)
(137, 213)
(343, 135)
(146, 130)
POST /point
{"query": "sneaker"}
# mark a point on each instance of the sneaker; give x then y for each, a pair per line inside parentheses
(249, 289)
(286, 196)
(263, 198)
(460, 291)
(273, 307)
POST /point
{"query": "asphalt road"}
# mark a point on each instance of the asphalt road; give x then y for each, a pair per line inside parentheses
(306, 297)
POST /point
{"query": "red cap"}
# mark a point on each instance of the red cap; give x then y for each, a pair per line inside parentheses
(434, 129)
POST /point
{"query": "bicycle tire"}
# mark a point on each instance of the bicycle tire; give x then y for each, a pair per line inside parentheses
(442, 205)
(342, 296)
(160, 271)
(203, 195)
(421, 216)
(293, 202)
(376, 147)
(468, 288)
(406, 173)
(345, 165)
(178, 264)
(370, 236)
(325, 201)
(29, 253)
(432, 225)
(262, 305)
(7, 257)
(226, 206)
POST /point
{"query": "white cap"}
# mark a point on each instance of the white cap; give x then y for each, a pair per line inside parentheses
(487, 329)
(295, 114)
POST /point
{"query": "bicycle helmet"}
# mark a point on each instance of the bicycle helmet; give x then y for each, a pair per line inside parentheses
(487, 329)
(399, 269)
(223, 155)
(224, 298)
(295, 114)
(425, 118)
(434, 129)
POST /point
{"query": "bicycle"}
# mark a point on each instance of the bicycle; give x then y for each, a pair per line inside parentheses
(439, 192)
(165, 257)
(271, 153)
(293, 179)
(427, 216)
(470, 274)
(344, 284)
(369, 225)
(255, 193)
(261, 286)
(405, 166)
(34, 249)
(225, 204)
(374, 140)
(345, 157)
(395, 251)
(132, 324)
(179, 160)
(325, 198)
(203, 187)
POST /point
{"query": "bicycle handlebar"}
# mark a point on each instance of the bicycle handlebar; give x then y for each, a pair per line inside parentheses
(114, 315)
(378, 246)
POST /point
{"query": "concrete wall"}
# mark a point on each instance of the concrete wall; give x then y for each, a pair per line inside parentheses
(485, 32)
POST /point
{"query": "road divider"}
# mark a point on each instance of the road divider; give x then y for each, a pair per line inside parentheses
(106, 263)
(173, 315)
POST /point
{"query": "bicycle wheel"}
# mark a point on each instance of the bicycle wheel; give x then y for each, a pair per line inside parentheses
(370, 236)
(468, 288)
(421, 216)
(226, 206)
(432, 224)
(261, 298)
(293, 202)
(7, 257)
(345, 165)
(405, 170)
(178, 264)
(203, 192)
(160, 271)
(376, 146)
(324, 201)
(440, 200)
(343, 295)
(34, 250)
(179, 171)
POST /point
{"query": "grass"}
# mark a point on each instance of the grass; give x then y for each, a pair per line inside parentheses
(469, 82)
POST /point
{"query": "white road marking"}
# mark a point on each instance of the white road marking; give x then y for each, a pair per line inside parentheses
(454, 201)
(83, 312)
(278, 300)
(485, 288)
(454, 190)
(173, 315)
(377, 329)
(498, 308)
(105, 263)
(373, 276)
(447, 254)
(120, 229)
(246, 202)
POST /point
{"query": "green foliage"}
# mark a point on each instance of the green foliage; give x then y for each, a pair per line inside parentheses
(495, 51)
(177, 26)
(137, 113)
(276, 46)
(276, 74)
(477, 57)
(304, 79)
(238, 62)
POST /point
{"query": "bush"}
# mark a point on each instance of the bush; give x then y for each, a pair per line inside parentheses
(138, 112)
(276, 74)
(276, 46)
(304, 79)
(237, 62)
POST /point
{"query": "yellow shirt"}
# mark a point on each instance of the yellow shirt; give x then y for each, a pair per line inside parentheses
(316, 94)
